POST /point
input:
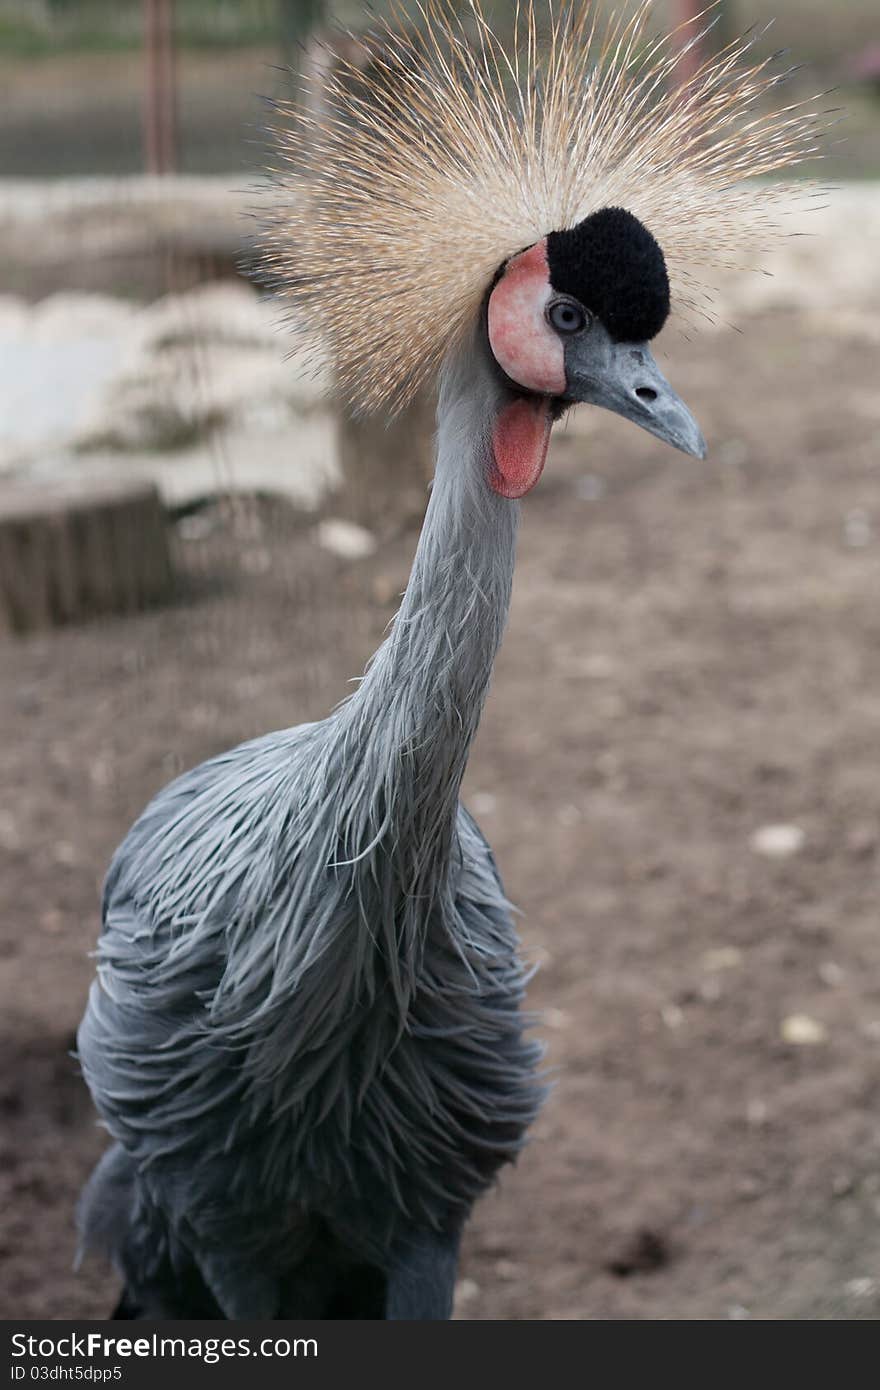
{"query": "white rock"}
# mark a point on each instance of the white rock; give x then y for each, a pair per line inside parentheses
(857, 529)
(802, 1031)
(200, 392)
(831, 974)
(303, 469)
(556, 1018)
(10, 836)
(466, 1290)
(540, 956)
(672, 1016)
(227, 312)
(599, 666)
(778, 841)
(721, 958)
(54, 361)
(345, 538)
(80, 314)
(860, 1288)
(757, 1112)
(180, 393)
(15, 314)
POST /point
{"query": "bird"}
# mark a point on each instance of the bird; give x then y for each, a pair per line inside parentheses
(307, 1035)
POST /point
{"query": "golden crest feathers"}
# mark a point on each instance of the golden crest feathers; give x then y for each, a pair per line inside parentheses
(416, 169)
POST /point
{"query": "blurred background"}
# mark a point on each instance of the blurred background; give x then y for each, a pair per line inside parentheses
(678, 765)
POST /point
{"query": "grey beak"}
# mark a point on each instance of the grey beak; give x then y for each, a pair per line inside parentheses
(624, 377)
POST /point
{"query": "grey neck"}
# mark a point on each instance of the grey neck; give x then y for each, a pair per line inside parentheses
(407, 731)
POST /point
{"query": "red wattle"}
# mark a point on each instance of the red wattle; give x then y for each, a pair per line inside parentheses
(519, 445)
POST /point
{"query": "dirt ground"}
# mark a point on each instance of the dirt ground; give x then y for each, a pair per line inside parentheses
(694, 654)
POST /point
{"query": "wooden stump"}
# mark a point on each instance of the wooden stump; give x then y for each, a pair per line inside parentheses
(74, 548)
(386, 466)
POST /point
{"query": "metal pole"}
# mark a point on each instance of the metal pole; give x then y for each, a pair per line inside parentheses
(160, 115)
(152, 155)
(684, 13)
(168, 108)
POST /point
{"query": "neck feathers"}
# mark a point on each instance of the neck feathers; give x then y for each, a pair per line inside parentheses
(437, 661)
(406, 733)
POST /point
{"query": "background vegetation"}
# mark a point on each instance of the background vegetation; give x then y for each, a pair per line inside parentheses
(71, 75)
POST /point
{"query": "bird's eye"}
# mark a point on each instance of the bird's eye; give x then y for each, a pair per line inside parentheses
(567, 316)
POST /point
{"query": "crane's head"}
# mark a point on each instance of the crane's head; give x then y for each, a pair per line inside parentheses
(570, 319)
(447, 181)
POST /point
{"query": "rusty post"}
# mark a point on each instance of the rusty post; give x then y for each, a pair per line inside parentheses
(160, 114)
(687, 25)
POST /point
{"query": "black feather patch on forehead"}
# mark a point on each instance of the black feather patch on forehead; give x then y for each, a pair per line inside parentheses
(615, 268)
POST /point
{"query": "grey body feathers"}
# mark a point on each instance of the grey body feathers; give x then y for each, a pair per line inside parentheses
(306, 1036)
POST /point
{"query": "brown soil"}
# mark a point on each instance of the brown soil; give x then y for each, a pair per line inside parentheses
(694, 653)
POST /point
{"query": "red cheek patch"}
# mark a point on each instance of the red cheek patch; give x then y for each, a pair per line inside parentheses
(523, 343)
(519, 445)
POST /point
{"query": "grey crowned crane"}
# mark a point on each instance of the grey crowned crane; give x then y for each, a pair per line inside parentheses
(306, 1035)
